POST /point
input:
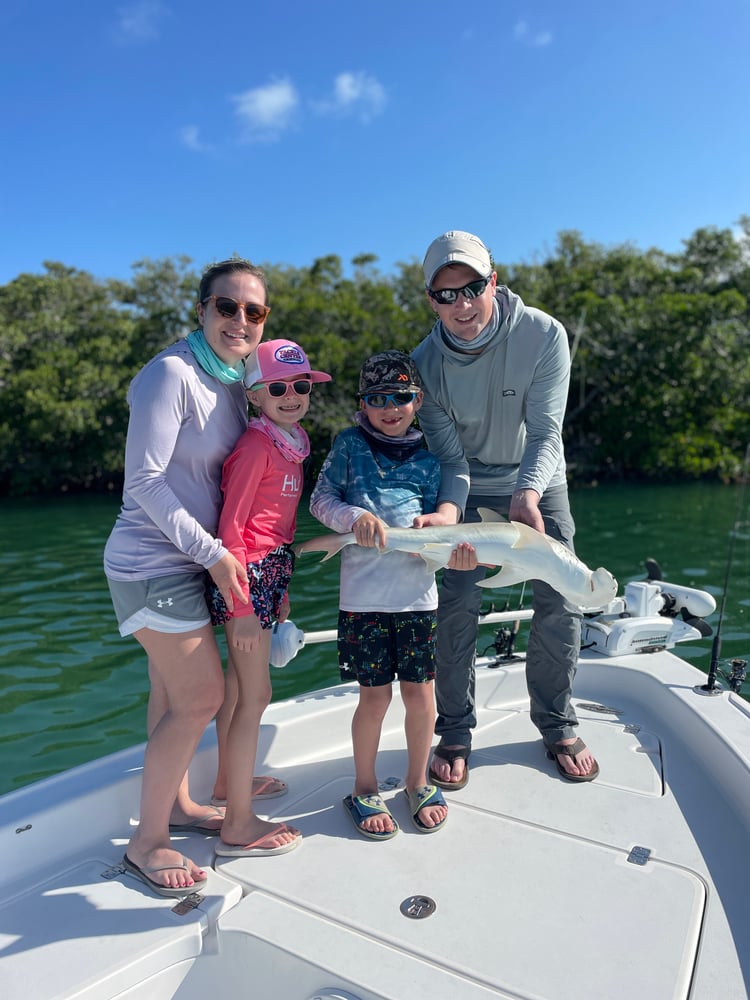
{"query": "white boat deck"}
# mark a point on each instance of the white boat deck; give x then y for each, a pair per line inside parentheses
(535, 881)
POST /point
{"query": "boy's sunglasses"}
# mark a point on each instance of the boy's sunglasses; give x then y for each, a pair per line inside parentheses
(381, 399)
(228, 307)
(447, 296)
(301, 387)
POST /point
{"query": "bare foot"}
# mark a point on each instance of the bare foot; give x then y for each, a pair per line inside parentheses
(264, 787)
(198, 817)
(432, 815)
(381, 822)
(443, 770)
(277, 834)
(582, 763)
(157, 865)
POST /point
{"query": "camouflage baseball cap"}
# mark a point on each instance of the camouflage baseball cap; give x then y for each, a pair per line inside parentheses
(389, 370)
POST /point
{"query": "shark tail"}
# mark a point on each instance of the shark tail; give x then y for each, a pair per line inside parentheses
(330, 544)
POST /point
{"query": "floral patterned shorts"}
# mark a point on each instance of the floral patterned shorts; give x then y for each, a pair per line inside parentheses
(269, 581)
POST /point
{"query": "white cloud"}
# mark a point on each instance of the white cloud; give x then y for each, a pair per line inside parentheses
(141, 21)
(354, 94)
(190, 137)
(266, 112)
(539, 40)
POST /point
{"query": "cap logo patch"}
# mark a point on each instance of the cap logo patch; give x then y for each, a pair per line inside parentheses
(289, 355)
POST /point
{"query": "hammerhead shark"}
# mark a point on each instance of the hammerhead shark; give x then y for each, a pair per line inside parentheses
(522, 552)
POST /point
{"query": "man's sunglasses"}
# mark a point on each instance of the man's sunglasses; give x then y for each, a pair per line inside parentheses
(278, 389)
(228, 307)
(381, 399)
(447, 296)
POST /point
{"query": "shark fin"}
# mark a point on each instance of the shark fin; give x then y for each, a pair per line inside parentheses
(508, 576)
(436, 555)
(491, 516)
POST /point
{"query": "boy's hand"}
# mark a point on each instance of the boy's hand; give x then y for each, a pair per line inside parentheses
(370, 531)
(284, 608)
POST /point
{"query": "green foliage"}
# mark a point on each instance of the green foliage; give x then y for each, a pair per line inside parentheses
(659, 387)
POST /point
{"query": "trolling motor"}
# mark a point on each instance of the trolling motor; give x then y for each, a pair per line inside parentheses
(654, 614)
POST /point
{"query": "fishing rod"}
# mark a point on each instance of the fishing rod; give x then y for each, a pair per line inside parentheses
(738, 673)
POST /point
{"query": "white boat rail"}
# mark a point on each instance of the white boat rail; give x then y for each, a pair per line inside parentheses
(491, 618)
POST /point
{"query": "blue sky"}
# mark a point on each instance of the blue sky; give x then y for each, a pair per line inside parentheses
(285, 131)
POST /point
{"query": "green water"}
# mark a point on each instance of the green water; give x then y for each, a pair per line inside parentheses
(72, 690)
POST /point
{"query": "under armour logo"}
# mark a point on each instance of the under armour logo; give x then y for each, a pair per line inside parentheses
(165, 604)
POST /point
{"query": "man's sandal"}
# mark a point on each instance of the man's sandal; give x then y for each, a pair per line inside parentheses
(457, 753)
(570, 750)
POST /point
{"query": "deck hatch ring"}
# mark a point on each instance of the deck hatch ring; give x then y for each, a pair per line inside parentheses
(113, 871)
(632, 727)
(188, 903)
(333, 994)
(592, 706)
(418, 907)
(390, 783)
(639, 855)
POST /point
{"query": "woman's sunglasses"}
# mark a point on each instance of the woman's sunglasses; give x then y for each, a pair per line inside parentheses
(278, 389)
(381, 399)
(447, 296)
(228, 307)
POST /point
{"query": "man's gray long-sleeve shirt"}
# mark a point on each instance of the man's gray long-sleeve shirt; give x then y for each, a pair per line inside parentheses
(494, 419)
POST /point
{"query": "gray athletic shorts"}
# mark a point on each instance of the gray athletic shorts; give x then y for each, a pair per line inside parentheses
(169, 604)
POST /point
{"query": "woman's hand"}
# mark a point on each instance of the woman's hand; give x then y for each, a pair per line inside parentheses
(230, 576)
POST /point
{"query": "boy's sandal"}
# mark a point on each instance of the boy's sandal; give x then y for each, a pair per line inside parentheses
(361, 807)
(457, 753)
(422, 796)
(570, 750)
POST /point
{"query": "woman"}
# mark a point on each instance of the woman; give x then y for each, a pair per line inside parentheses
(187, 410)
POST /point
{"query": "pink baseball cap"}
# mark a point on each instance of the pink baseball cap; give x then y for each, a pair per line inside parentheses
(280, 359)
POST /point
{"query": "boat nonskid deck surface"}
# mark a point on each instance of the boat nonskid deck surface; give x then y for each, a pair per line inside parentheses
(629, 886)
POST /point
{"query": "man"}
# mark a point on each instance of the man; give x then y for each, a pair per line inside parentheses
(495, 376)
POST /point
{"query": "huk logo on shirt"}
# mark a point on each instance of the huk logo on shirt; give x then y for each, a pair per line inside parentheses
(509, 392)
(290, 486)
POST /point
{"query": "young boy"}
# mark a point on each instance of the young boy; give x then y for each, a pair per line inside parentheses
(262, 484)
(378, 474)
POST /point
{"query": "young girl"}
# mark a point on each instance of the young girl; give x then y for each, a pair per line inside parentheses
(262, 484)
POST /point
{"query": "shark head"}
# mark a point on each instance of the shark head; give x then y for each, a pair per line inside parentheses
(603, 589)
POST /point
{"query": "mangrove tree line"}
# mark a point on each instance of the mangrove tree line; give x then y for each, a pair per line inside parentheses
(660, 384)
